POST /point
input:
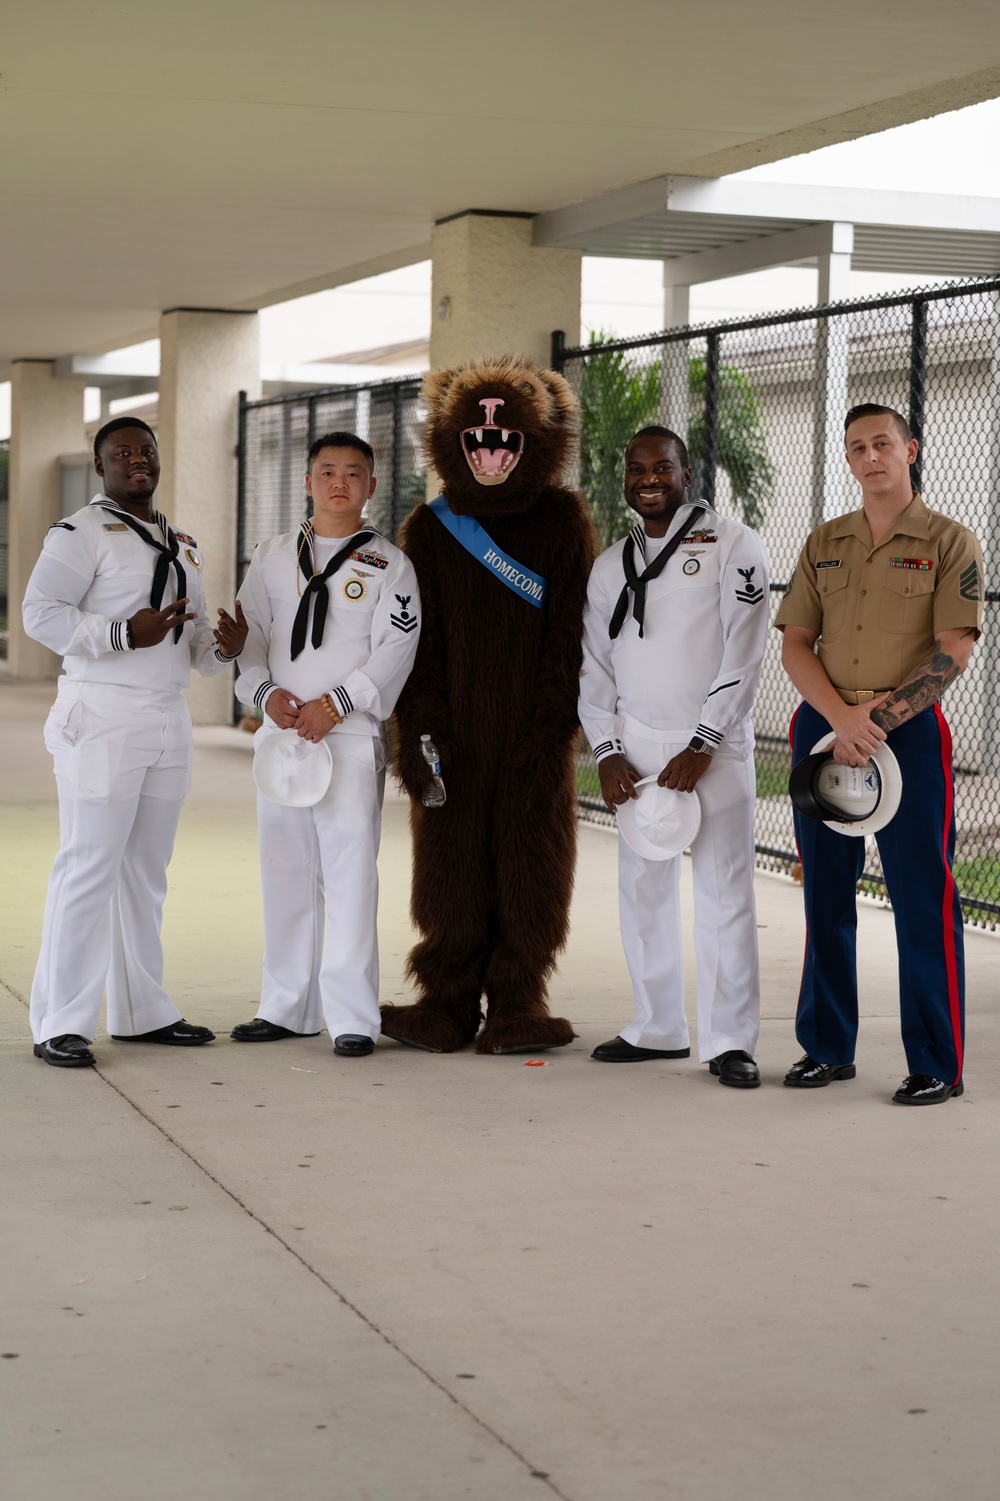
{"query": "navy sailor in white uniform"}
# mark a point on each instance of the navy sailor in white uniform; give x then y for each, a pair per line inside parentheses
(333, 611)
(672, 656)
(118, 593)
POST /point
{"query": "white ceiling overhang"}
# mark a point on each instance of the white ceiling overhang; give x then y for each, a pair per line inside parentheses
(232, 154)
(714, 228)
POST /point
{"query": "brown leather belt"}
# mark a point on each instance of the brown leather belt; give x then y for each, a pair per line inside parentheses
(861, 695)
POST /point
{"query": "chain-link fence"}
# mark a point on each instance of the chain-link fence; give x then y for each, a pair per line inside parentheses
(761, 403)
(274, 440)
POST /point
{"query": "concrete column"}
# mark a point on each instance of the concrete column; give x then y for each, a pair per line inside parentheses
(46, 420)
(493, 292)
(206, 359)
(675, 382)
(830, 391)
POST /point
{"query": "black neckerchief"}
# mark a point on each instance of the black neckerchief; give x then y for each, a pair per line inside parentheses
(316, 585)
(167, 555)
(637, 582)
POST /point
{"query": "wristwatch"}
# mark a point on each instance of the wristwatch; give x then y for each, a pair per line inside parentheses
(700, 746)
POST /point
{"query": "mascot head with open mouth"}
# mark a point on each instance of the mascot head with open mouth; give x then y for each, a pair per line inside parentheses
(499, 430)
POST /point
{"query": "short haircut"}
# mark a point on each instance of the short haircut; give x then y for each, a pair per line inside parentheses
(114, 426)
(342, 440)
(873, 409)
(653, 430)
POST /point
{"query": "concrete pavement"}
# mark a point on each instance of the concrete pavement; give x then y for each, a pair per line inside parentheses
(240, 1272)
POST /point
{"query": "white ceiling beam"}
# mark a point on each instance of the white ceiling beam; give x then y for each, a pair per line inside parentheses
(759, 254)
(634, 202)
(746, 197)
(108, 369)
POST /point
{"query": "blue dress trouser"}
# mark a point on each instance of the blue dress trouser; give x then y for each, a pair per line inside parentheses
(917, 848)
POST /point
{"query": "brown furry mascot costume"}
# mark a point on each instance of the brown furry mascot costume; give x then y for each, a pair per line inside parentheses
(495, 685)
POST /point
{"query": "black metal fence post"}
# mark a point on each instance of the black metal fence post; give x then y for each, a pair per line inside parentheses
(711, 418)
(918, 376)
(399, 505)
(557, 351)
(241, 481)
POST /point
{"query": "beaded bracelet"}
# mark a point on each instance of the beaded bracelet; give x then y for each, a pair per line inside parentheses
(328, 705)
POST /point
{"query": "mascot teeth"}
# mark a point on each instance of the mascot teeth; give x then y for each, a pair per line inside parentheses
(492, 452)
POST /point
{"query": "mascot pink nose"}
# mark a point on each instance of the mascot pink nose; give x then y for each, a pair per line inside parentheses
(491, 403)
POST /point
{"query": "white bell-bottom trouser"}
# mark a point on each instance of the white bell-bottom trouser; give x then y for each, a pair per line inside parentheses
(319, 878)
(123, 769)
(725, 920)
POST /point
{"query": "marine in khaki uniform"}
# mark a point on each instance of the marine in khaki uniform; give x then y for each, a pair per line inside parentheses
(883, 611)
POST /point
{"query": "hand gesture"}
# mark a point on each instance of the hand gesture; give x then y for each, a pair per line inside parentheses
(231, 634)
(282, 708)
(618, 778)
(857, 736)
(150, 626)
(683, 771)
(314, 720)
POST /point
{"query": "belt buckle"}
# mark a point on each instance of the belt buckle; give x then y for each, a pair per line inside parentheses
(864, 695)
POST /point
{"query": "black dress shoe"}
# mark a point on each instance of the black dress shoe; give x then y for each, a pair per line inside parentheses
(735, 1068)
(260, 1030)
(620, 1051)
(67, 1051)
(808, 1074)
(922, 1089)
(353, 1045)
(180, 1034)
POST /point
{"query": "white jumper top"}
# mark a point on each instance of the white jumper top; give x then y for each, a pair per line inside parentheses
(370, 636)
(92, 576)
(696, 666)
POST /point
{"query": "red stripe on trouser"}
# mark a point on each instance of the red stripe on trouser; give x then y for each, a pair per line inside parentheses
(798, 851)
(948, 905)
(791, 728)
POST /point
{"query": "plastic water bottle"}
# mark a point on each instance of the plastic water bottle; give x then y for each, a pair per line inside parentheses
(435, 795)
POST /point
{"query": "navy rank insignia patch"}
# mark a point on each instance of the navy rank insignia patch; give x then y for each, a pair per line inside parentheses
(67, 526)
(749, 593)
(924, 565)
(370, 559)
(970, 585)
(355, 589)
(404, 621)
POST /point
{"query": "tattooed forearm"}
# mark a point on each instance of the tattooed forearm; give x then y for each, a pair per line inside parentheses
(924, 686)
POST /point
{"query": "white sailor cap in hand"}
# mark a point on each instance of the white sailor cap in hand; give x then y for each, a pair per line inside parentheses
(659, 823)
(289, 769)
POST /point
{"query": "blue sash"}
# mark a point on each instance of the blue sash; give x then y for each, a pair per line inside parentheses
(466, 530)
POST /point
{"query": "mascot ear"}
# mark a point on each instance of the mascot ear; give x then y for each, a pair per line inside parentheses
(564, 402)
(436, 385)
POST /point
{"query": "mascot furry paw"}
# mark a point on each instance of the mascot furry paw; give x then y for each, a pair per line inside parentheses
(502, 558)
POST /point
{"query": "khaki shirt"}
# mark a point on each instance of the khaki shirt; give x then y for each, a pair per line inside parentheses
(877, 610)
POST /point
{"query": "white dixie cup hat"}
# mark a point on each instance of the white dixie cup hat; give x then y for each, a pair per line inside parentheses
(660, 822)
(289, 769)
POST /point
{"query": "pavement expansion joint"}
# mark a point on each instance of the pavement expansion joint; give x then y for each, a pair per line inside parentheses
(474, 1417)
